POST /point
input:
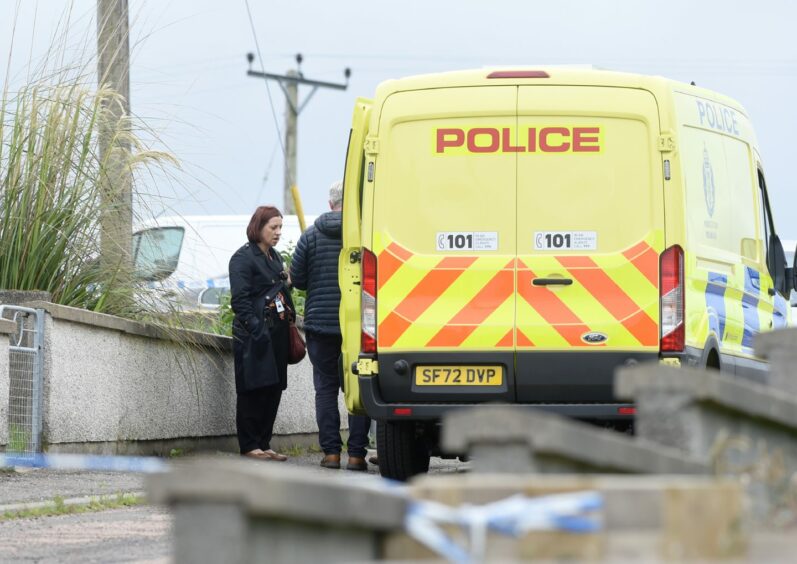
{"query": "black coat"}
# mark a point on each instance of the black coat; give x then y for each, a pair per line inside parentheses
(315, 268)
(260, 347)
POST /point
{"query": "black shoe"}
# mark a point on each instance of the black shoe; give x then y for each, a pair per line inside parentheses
(374, 460)
(331, 461)
(357, 463)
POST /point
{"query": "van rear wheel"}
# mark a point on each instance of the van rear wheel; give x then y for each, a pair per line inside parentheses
(402, 450)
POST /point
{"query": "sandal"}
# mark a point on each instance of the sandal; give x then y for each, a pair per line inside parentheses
(271, 455)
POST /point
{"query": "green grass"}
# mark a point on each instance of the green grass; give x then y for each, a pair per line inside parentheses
(59, 507)
(300, 450)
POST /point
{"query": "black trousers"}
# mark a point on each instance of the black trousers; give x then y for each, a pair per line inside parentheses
(255, 413)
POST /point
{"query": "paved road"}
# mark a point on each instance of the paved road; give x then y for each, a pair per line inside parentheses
(137, 534)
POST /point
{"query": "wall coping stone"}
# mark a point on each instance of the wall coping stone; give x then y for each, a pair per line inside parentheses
(18, 297)
(548, 433)
(284, 492)
(151, 330)
(743, 396)
(7, 327)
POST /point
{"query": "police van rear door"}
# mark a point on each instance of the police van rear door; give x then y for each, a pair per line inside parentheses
(348, 261)
(590, 230)
(444, 234)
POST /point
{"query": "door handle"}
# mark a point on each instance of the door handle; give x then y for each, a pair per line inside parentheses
(552, 281)
(771, 291)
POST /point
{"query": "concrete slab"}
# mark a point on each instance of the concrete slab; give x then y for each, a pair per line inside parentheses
(646, 518)
(496, 438)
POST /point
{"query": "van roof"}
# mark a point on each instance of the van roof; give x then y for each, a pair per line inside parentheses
(573, 75)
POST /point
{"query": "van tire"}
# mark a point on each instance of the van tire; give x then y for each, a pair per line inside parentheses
(402, 452)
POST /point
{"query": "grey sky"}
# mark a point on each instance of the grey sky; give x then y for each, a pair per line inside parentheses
(189, 72)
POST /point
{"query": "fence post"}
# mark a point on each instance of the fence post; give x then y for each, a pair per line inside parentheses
(7, 328)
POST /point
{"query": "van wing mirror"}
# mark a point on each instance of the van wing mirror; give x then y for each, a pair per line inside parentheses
(156, 252)
(792, 278)
(776, 262)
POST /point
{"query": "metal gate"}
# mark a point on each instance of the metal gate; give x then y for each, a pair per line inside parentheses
(25, 380)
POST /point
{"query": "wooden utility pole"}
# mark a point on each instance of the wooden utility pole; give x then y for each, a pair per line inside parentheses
(291, 139)
(113, 56)
(289, 83)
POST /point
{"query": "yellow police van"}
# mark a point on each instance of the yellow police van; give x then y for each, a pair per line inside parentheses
(514, 236)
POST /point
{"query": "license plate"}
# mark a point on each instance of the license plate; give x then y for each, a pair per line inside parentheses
(459, 375)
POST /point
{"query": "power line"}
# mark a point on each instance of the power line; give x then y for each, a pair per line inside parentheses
(266, 174)
(289, 83)
(268, 90)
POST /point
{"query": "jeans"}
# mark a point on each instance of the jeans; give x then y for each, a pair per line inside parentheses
(324, 351)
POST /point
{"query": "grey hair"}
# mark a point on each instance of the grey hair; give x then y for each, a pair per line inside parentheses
(336, 194)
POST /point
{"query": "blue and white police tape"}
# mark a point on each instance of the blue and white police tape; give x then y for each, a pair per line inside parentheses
(141, 464)
(571, 512)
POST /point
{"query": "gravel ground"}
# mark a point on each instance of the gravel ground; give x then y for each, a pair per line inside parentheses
(136, 534)
(44, 485)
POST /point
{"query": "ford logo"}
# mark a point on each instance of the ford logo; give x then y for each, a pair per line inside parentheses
(594, 338)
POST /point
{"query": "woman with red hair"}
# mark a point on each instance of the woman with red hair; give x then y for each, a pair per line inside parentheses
(263, 310)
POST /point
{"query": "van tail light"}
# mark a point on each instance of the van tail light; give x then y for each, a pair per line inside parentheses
(671, 292)
(368, 302)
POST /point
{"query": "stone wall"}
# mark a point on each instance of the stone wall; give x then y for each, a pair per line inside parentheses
(111, 383)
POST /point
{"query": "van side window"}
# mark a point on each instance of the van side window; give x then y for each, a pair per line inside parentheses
(156, 252)
(362, 176)
(764, 212)
(345, 162)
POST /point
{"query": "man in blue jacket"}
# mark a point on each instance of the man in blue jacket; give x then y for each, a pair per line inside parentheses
(315, 268)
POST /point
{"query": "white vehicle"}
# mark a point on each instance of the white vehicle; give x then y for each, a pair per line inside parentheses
(187, 257)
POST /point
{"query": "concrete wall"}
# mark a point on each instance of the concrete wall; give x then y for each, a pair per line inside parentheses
(110, 382)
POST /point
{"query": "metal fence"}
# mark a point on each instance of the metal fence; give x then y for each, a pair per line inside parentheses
(25, 380)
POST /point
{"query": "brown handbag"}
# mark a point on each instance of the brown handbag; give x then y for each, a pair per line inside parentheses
(296, 347)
